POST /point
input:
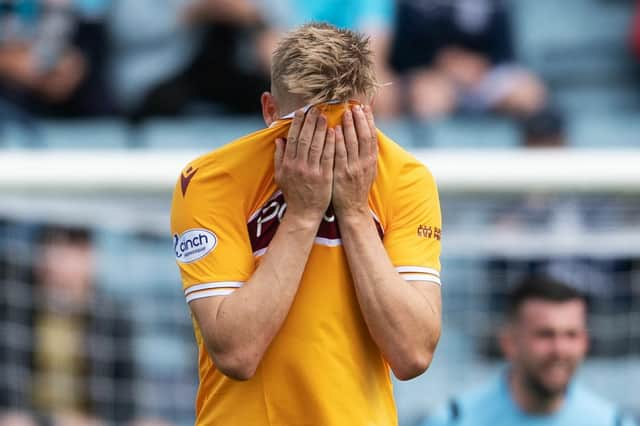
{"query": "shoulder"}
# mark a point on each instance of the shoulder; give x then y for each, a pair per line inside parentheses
(477, 406)
(586, 404)
(483, 398)
(397, 165)
(234, 164)
(230, 156)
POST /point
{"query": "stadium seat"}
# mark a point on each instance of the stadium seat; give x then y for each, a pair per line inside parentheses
(570, 39)
(475, 132)
(602, 99)
(83, 134)
(17, 128)
(207, 133)
(605, 130)
(126, 259)
(400, 130)
(13, 135)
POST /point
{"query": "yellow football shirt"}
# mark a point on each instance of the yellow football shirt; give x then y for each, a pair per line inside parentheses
(322, 368)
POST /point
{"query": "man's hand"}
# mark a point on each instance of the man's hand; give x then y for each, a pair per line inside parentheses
(355, 162)
(304, 165)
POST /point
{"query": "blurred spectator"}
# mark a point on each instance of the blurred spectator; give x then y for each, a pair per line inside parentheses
(372, 17)
(458, 55)
(165, 58)
(544, 340)
(52, 56)
(65, 349)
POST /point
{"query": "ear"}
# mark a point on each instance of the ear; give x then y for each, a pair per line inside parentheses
(270, 110)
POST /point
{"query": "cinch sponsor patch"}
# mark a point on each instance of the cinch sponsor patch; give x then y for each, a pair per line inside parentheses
(193, 244)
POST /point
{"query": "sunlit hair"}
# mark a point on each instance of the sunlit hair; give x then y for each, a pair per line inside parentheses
(318, 62)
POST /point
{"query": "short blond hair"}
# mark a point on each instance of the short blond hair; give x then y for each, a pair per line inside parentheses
(319, 62)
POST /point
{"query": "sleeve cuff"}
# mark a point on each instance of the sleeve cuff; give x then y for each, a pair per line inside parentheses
(219, 288)
(419, 273)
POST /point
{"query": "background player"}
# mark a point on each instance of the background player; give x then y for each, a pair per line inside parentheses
(545, 340)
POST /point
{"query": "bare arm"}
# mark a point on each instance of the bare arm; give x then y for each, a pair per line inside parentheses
(404, 318)
(17, 65)
(238, 328)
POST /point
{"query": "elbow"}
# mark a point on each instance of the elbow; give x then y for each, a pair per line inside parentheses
(237, 365)
(237, 370)
(417, 360)
(413, 366)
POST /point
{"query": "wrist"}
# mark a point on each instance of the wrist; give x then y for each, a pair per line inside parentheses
(303, 219)
(353, 216)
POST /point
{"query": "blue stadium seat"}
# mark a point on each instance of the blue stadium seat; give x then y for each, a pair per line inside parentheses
(83, 134)
(470, 133)
(131, 266)
(605, 130)
(13, 135)
(573, 39)
(207, 133)
(400, 130)
(597, 99)
(18, 128)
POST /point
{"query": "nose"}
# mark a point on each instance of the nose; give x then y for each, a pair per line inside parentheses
(564, 344)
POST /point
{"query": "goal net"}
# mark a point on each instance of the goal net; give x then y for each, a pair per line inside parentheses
(572, 214)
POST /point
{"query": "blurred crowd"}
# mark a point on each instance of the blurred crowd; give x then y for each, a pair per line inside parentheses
(66, 348)
(141, 59)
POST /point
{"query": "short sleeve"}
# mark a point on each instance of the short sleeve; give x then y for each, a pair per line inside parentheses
(414, 227)
(209, 234)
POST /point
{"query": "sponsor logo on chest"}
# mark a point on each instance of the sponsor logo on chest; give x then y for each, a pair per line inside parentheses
(264, 223)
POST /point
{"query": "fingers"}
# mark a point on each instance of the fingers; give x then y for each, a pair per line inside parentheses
(318, 142)
(373, 131)
(350, 135)
(292, 137)
(368, 113)
(306, 134)
(363, 131)
(341, 156)
(328, 153)
(279, 155)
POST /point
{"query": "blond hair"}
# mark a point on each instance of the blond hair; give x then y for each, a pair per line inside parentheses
(318, 62)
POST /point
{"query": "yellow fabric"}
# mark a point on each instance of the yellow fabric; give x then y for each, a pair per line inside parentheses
(323, 367)
(59, 364)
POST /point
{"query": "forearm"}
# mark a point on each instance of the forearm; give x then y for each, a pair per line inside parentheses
(404, 323)
(247, 320)
(239, 328)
